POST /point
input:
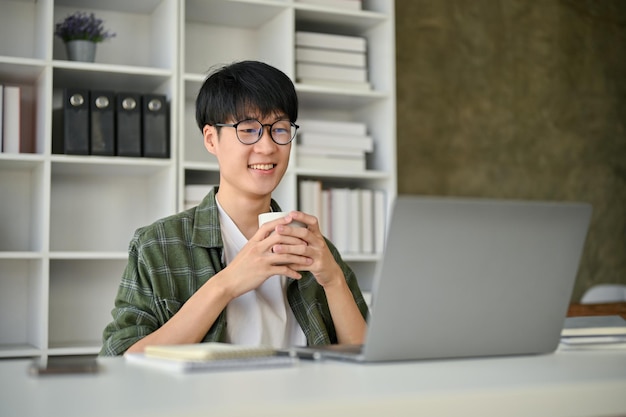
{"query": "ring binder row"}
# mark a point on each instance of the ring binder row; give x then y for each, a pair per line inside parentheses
(108, 123)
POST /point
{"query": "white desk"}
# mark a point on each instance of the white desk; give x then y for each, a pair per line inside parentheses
(561, 384)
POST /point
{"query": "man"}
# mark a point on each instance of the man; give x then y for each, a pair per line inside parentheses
(211, 273)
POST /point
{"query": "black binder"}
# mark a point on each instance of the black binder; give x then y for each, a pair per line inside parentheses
(154, 128)
(76, 121)
(128, 124)
(102, 126)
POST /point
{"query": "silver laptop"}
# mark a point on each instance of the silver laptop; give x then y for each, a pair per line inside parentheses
(471, 278)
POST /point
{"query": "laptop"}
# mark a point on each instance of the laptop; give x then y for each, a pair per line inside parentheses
(467, 277)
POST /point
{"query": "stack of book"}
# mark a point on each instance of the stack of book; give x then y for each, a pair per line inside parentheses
(352, 218)
(338, 61)
(332, 145)
(339, 4)
(594, 332)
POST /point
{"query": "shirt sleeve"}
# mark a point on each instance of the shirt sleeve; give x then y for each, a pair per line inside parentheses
(135, 314)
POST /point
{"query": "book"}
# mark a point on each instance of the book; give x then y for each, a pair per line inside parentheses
(593, 333)
(329, 72)
(310, 192)
(339, 4)
(1, 116)
(326, 161)
(354, 218)
(331, 41)
(302, 150)
(11, 140)
(593, 326)
(207, 351)
(379, 221)
(593, 340)
(334, 84)
(362, 143)
(186, 366)
(332, 126)
(563, 346)
(367, 221)
(340, 224)
(326, 218)
(331, 57)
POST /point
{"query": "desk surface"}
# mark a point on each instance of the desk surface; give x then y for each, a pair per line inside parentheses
(562, 384)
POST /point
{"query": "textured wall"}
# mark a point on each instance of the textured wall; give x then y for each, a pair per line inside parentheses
(518, 99)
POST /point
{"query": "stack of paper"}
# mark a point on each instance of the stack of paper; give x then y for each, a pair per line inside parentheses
(209, 356)
(593, 332)
(331, 60)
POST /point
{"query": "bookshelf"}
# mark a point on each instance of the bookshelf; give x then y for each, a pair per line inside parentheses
(66, 220)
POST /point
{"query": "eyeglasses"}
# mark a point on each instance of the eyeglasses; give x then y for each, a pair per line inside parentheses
(250, 131)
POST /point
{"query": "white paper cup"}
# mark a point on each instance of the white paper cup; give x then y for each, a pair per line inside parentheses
(273, 215)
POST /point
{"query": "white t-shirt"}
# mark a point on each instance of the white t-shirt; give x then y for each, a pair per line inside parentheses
(261, 316)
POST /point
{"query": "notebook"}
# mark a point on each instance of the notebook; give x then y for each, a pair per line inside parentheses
(471, 278)
(211, 356)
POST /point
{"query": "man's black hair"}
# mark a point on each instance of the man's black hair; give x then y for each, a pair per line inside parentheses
(231, 92)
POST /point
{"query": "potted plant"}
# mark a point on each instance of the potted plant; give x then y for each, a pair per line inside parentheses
(81, 32)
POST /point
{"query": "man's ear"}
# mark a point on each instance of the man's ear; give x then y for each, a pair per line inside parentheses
(209, 134)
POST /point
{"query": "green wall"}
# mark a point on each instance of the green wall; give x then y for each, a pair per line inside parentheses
(518, 99)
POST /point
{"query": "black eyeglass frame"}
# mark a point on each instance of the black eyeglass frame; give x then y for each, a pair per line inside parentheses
(235, 125)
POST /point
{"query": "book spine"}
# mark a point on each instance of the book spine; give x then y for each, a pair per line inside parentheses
(339, 4)
(379, 221)
(306, 150)
(1, 118)
(326, 218)
(327, 72)
(330, 57)
(328, 163)
(367, 221)
(332, 127)
(363, 143)
(340, 200)
(12, 119)
(331, 41)
(354, 218)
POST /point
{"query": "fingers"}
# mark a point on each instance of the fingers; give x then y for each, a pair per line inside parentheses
(310, 221)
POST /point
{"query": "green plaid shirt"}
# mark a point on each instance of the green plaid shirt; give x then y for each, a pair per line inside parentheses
(169, 260)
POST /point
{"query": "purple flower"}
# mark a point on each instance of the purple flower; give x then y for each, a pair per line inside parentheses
(82, 26)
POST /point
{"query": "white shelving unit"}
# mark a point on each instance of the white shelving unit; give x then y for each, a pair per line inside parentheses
(66, 220)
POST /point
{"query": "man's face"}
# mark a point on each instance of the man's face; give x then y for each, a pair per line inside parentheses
(255, 169)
